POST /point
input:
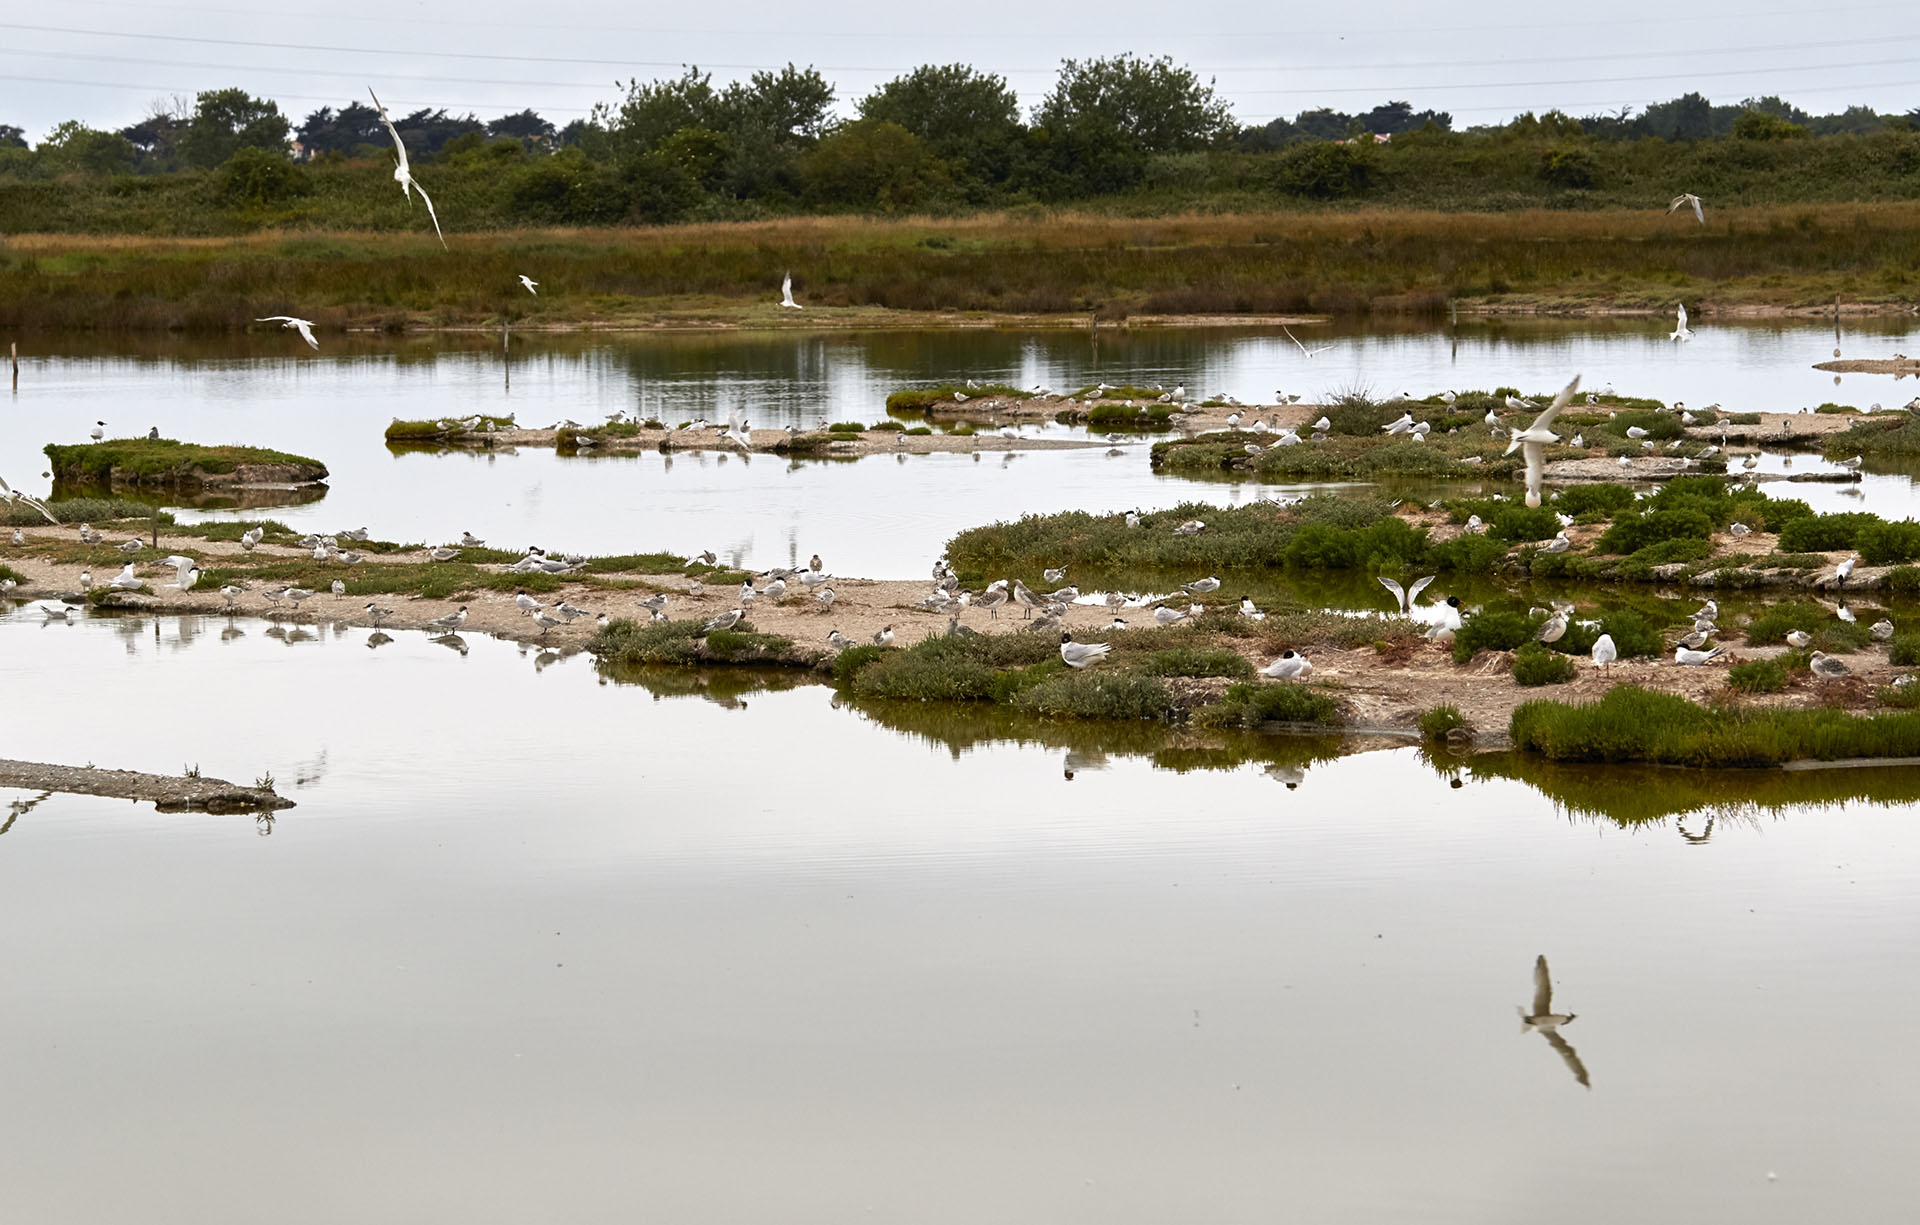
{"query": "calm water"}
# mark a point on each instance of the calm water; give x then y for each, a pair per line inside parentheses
(740, 956)
(880, 517)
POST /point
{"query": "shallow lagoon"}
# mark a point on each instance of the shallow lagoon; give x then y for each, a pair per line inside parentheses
(537, 943)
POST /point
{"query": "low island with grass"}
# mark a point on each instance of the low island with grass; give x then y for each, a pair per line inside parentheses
(168, 463)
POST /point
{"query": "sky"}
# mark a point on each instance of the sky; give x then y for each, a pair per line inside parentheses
(107, 62)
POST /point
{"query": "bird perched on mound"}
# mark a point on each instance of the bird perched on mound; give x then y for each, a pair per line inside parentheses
(1078, 655)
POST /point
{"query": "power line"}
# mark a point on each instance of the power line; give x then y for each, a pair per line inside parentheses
(1678, 75)
(174, 89)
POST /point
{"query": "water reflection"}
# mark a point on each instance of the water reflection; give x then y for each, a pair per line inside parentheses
(1637, 795)
(1543, 1020)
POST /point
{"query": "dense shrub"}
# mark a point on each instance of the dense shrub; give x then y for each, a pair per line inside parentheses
(1883, 543)
(1904, 650)
(1635, 724)
(1097, 695)
(1199, 661)
(1758, 676)
(1492, 629)
(1606, 500)
(1824, 533)
(1250, 705)
(1635, 530)
(1437, 722)
(1534, 664)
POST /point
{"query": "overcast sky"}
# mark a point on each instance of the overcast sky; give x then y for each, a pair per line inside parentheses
(105, 62)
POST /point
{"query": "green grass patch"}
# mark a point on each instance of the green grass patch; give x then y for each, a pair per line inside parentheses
(1773, 623)
(1436, 723)
(1759, 675)
(1631, 724)
(1249, 705)
(81, 510)
(1904, 650)
(1199, 661)
(1534, 664)
(1097, 695)
(417, 431)
(155, 459)
(8, 572)
(919, 399)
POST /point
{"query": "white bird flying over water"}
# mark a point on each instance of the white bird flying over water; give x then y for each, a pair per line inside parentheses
(1533, 440)
(1301, 347)
(303, 326)
(786, 292)
(403, 173)
(1680, 331)
(1682, 200)
(525, 280)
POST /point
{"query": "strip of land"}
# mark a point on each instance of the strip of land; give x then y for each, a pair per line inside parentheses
(167, 792)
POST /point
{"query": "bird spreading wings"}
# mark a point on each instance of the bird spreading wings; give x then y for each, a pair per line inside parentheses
(1301, 347)
(1533, 440)
(1544, 1021)
(1405, 598)
(1682, 200)
(302, 326)
(403, 172)
(786, 292)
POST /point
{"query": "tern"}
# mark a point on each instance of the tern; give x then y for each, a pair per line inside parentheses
(1301, 347)
(8, 494)
(1204, 586)
(1162, 615)
(1400, 425)
(1250, 610)
(838, 641)
(1682, 200)
(725, 621)
(403, 173)
(1403, 598)
(1689, 657)
(1559, 544)
(444, 554)
(883, 636)
(302, 326)
(1532, 442)
(1290, 666)
(1543, 1020)
(452, 621)
(232, 593)
(377, 614)
(1192, 527)
(126, 580)
(525, 280)
(1680, 330)
(1845, 570)
(98, 431)
(546, 621)
(786, 292)
(1077, 655)
(824, 598)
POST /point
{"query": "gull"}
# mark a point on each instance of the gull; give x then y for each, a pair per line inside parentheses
(132, 546)
(525, 280)
(656, 603)
(725, 621)
(1055, 575)
(18, 538)
(883, 636)
(1709, 610)
(1697, 639)
(403, 173)
(297, 595)
(1689, 657)
(1250, 610)
(1067, 595)
(1533, 440)
(320, 552)
(303, 326)
(1290, 666)
(1559, 544)
(1604, 652)
(1682, 200)
(1554, 628)
(1447, 398)
(452, 621)
(813, 563)
(377, 614)
(1233, 420)
(1516, 404)
(993, 597)
(1399, 425)
(1543, 1020)
(1301, 347)
(1025, 598)
(786, 292)
(1853, 464)
(1636, 433)
(1680, 331)
(1881, 630)
(1799, 640)
(1077, 655)
(1403, 598)
(98, 431)
(1739, 529)
(444, 554)
(1322, 425)
(1845, 570)
(1823, 664)
(1204, 586)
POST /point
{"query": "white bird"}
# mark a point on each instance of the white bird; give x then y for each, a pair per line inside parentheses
(838, 641)
(1845, 570)
(452, 621)
(1853, 463)
(883, 636)
(1163, 615)
(1192, 527)
(403, 173)
(1823, 664)
(824, 598)
(1680, 331)
(1077, 655)
(1399, 426)
(525, 280)
(1559, 544)
(1133, 518)
(186, 579)
(725, 621)
(1546, 1022)
(1692, 658)
(1846, 614)
(786, 292)
(1534, 440)
(1290, 666)
(377, 614)
(470, 541)
(1204, 586)
(1709, 610)
(1323, 424)
(1301, 347)
(302, 326)
(444, 554)
(1739, 529)
(1799, 640)
(1403, 598)
(1881, 630)
(1473, 526)
(126, 580)
(1604, 652)
(232, 593)
(1250, 610)
(98, 431)
(1636, 433)
(1682, 200)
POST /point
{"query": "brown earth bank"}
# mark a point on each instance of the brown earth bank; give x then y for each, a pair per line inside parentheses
(168, 793)
(1380, 689)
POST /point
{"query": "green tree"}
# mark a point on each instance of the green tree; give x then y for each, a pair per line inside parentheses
(73, 147)
(12, 137)
(226, 121)
(1160, 106)
(655, 110)
(957, 113)
(256, 178)
(875, 165)
(1760, 125)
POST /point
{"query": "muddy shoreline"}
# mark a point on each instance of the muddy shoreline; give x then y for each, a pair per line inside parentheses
(167, 793)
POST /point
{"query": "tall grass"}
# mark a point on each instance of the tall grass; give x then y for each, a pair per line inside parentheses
(149, 458)
(1631, 724)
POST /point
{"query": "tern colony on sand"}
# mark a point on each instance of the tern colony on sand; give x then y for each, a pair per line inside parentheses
(403, 173)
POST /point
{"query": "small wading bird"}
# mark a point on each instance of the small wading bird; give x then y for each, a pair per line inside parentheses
(1079, 655)
(302, 326)
(1543, 1020)
(452, 621)
(786, 292)
(403, 173)
(525, 280)
(1682, 200)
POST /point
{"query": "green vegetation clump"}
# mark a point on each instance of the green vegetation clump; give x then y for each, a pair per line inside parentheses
(1436, 723)
(1534, 664)
(1604, 501)
(847, 427)
(1631, 724)
(888, 426)
(1882, 543)
(1904, 650)
(920, 431)
(8, 572)
(1493, 629)
(1759, 675)
(1097, 695)
(680, 642)
(1633, 531)
(1122, 415)
(439, 428)
(944, 669)
(849, 662)
(1825, 533)
(157, 459)
(1199, 661)
(1876, 436)
(922, 398)
(1773, 623)
(1249, 705)
(1902, 579)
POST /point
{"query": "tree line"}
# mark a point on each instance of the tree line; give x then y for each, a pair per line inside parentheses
(941, 136)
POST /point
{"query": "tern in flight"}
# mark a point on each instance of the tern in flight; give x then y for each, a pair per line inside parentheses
(786, 292)
(403, 173)
(1543, 1020)
(302, 326)
(526, 280)
(1682, 200)
(1680, 329)
(1301, 347)
(1532, 441)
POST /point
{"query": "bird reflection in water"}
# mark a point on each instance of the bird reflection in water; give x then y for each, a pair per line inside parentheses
(1544, 1021)
(231, 632)
(452, 642)
(20, 808)
(377, 639)
(1699, 839)
(1292, 776)
(1083, 759)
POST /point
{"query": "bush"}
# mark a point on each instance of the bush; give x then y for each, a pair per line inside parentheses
(1882, 543)
(1607, 500)
(1634, 636)
(1635, 724)
(1758, 676)
(1825, 533)
(1199, 661)
(1436, 723)
(1635, 530)
(1098, 695)
(1492, 629)
(1534, 664)
(849, 661)
(1250, 705)
(256, 178)
(1904, 650)
(1323, 170)
(1565, 166)
(1902, 579)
